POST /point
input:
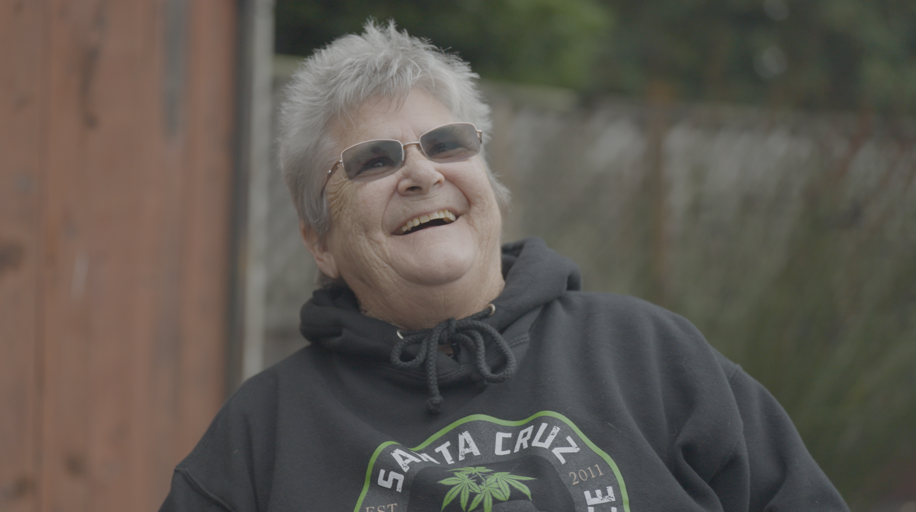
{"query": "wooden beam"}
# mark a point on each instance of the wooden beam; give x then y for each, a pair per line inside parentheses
(21, 105)
(116, 163)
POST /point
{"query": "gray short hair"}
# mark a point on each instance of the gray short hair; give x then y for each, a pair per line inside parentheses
(339, 78)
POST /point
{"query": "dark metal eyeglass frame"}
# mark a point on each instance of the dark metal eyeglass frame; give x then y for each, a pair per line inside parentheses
(418, 143)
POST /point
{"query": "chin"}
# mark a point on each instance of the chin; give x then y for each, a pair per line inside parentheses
(439, 264)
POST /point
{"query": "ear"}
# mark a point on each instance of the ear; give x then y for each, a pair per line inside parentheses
(319, 250)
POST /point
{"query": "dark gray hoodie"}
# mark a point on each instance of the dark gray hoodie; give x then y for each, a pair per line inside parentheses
(559, 400)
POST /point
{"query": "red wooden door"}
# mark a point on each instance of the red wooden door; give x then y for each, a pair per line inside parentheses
(116, 172)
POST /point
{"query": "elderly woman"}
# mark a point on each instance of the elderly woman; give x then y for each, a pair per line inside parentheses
(448, 373)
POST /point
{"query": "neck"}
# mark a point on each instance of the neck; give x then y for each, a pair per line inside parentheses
(414, 307)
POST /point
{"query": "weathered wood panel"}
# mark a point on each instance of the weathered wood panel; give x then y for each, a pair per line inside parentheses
(116, 164)
(212, 138)
(21, 44)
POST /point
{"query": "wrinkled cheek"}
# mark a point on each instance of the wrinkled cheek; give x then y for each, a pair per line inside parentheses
(354, 249)
(340, 205)
(362, 264)
(339, 195)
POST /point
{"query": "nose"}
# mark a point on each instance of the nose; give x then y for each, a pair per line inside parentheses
(418, 175)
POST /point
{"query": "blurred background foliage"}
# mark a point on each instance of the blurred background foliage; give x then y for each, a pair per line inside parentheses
(806, 276)
(810, 54)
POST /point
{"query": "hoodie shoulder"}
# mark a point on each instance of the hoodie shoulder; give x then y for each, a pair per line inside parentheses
(633, 324)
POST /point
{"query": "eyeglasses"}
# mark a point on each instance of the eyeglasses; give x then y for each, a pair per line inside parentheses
(374, 159)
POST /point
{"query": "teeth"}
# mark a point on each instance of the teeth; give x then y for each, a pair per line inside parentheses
(441, 214)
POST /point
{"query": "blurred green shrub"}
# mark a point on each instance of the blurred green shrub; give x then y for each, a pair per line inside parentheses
(538, 41)
(817, 54)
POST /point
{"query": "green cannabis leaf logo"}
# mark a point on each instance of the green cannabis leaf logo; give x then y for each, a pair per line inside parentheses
(484, 487)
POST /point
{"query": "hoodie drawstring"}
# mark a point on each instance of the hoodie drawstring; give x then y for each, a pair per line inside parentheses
(470, 332)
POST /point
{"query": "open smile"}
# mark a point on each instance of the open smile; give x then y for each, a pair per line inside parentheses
(440, 218)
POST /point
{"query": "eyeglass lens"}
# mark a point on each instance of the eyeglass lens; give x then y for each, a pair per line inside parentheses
(377, 158)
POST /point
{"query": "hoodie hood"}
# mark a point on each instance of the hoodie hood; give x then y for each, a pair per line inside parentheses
(534, 274)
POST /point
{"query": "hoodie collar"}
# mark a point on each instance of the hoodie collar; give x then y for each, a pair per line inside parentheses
(534, 274)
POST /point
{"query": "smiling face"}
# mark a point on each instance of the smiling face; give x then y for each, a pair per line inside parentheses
(422, 242)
